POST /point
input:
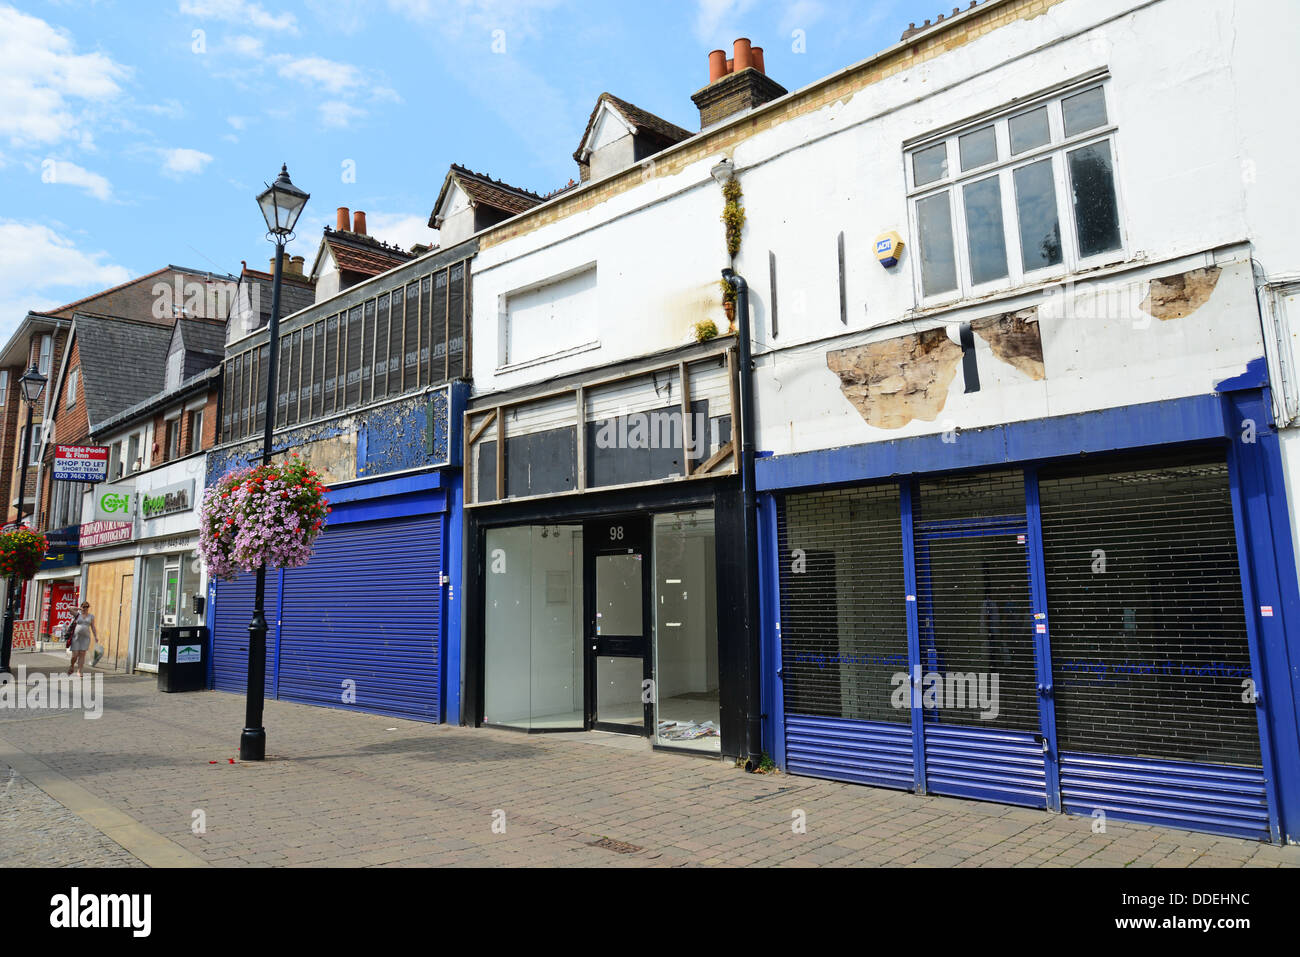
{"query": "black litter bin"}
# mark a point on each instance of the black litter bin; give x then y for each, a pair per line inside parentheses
(183, 659)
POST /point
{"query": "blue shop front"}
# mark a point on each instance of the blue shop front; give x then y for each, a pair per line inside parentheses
(371, 623)
(1086, 614)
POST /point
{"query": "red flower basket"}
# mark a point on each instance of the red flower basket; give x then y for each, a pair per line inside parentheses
(21, 552)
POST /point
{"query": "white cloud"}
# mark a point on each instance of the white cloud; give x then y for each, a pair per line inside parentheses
(314, 71)
(238, 122)
(241, 12)
(711, 16)
(184, 162)
(245, 45)
(456, 17)
(41, 269)
(401, 229)
(64, 173)
(41, 76)
(337, 114)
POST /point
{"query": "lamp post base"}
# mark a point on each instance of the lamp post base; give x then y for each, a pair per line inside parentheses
(252, 744)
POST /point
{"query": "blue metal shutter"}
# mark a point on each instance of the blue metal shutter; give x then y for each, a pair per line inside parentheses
(232, 613)
(367, 610)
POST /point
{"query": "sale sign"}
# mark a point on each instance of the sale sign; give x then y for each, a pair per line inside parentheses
(25, 634)
(80, 463)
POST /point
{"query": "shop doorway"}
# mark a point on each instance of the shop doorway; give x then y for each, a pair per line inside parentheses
(617, 617)
(609, 625)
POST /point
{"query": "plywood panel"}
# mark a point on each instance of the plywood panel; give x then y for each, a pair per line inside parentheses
(108, 589)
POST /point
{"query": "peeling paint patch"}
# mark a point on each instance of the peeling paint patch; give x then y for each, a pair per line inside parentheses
(1014, 338)
(892, 382)
(1175, 297)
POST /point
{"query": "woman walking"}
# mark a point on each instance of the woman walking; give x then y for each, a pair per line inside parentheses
(82, 628)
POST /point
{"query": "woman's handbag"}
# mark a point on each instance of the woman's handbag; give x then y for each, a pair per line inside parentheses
(69, 630)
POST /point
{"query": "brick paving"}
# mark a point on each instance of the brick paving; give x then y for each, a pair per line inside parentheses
(38, 831)
(341, 788)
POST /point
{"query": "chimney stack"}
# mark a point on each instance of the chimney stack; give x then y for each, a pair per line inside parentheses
(735, 85)
(343, 224)
(359, 223)
(294, 268)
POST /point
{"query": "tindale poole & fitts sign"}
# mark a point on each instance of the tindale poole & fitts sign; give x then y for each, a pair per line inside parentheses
(80, 463)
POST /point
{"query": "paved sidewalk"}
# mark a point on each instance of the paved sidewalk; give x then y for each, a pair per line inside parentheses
(340, 788)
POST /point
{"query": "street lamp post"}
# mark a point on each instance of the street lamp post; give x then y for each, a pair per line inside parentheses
(33, 386)
(281, 203)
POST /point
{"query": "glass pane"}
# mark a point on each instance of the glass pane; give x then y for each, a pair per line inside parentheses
(1040, 227)
(1029, 130)
(426, 332)
(439, 358)
(930, 164)
(457, 311)
(352, 392)
(412, 333)
(396, 320)
(938, 262)
(618, 691)
(191, 569)
(978, 148)
(507, 627)
(331, 367)
(367, 350)
(1084, 111)
(557, 689)
(533, 663)
(984, 232)
(686, 632)
(1095, 212)
(618, 594)
(381, 350)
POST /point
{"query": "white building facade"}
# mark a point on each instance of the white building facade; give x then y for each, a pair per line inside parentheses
(1026, 485)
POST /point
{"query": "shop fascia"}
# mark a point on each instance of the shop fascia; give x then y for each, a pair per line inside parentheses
(114, 511)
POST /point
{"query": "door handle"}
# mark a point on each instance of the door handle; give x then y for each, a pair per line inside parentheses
(1044, 691)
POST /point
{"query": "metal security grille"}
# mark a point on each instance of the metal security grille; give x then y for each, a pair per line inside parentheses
(356, 639)
(843, 614)
(976, 621)
(232, 612)
(1147, 625)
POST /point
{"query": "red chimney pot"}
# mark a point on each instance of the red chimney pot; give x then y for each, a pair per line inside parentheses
(717, 65)
(741, 53)
(758, 59)
(359, 223)
(343, 224)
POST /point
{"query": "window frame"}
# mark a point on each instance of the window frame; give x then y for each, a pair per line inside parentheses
(73, 377)
(1004, 167)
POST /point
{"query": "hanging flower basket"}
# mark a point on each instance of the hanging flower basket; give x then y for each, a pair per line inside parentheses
(268, 514)
(21, 552)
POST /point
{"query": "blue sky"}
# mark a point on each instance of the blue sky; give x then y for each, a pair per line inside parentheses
(136, 134)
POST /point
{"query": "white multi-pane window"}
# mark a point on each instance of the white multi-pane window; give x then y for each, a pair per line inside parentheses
(47, 351)
(73, 376)
(1019, 197)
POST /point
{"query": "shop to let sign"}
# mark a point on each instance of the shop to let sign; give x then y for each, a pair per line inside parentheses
(80, 463)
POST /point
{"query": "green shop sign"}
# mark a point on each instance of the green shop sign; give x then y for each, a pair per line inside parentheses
(167, 500)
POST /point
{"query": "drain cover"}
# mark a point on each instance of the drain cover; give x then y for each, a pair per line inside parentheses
(618, 847)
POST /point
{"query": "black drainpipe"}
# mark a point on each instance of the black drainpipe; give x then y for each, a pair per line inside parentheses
(754, 716)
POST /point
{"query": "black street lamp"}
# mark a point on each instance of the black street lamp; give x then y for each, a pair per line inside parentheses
(33, 386)
(282, 203)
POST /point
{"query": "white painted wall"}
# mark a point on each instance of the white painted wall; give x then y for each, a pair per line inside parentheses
(1204, 153)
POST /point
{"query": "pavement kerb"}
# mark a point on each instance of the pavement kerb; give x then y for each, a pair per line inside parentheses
(147, 845)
